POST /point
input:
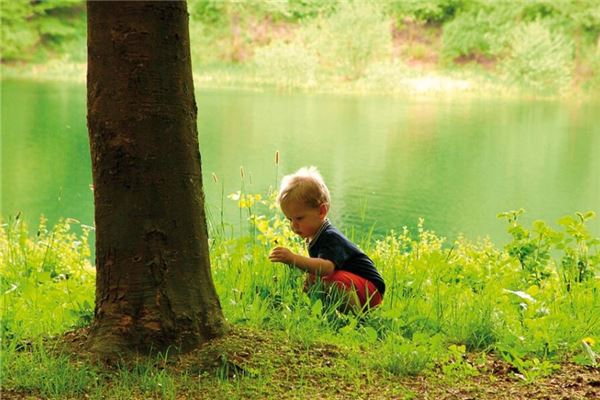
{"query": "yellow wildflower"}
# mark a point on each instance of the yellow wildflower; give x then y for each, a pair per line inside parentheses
(589, 341)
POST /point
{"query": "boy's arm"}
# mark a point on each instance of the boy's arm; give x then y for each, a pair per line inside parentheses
(318, 266)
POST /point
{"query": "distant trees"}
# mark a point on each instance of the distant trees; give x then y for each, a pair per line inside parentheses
(304, 42)
(27, 26)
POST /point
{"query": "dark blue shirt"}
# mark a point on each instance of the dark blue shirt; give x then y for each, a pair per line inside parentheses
(330, 244)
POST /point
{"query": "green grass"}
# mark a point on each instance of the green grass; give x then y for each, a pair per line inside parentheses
(40, 369)
(447, 307)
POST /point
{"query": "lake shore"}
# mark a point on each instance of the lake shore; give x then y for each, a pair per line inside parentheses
(395, 80)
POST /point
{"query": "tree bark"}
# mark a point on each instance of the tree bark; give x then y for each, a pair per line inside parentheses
(154, 288)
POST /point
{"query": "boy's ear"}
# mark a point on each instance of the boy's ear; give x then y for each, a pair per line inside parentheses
(323, 210)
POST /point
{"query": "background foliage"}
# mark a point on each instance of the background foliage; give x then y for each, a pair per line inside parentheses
(33, 29)
(543, 45)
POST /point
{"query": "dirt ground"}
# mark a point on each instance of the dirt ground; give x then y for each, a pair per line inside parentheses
(256, 364)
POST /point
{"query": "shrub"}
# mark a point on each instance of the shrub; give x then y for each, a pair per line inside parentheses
(298, 10)
(430, 11)
(480, 32)
(17, 35)
(29, 26)
(218, 12)
(286, 64)
(539, 59)
(347, 41)
(207, 11)
(586, 15)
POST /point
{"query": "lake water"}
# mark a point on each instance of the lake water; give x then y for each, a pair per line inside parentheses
(387, 161)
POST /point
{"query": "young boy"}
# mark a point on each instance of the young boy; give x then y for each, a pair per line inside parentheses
(334, 260)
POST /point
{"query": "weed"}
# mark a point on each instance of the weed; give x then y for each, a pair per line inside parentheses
(529, 369)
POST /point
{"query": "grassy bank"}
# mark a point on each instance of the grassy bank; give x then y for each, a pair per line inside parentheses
(453, 313)
(392, 79)
(464, 47)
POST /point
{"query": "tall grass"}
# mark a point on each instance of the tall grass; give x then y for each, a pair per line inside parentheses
(534, 302)
(471, 294)
(47, 281)
(40, 369)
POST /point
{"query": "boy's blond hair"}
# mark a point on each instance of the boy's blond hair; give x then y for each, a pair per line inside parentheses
(305, 185)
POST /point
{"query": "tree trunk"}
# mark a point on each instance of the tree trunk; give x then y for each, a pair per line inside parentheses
(154, 289)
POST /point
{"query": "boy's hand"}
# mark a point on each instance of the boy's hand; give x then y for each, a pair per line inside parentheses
(281, 254)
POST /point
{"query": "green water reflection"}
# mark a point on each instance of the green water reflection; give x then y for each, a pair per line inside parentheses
(387, 161)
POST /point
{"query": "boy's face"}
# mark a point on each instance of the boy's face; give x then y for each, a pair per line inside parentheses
(305, 221)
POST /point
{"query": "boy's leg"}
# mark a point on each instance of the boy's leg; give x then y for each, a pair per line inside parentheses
(333, 291)
(360, 293)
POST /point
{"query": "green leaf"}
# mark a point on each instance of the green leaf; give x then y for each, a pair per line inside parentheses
(589, 215)
(317, 308)
(371, 334)
(567, 220)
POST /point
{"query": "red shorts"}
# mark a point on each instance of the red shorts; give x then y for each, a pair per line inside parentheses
(347, 281)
